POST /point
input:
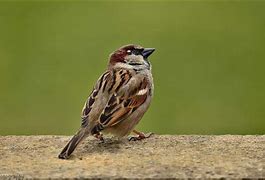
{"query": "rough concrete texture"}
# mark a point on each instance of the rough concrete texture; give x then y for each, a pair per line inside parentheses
(165, 156)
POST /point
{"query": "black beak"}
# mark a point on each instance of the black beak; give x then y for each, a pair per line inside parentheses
(147, 52)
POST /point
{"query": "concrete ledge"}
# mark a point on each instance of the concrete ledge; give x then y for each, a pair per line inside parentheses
(165, 156)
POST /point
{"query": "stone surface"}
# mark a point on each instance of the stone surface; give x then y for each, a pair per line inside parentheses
(165, 156)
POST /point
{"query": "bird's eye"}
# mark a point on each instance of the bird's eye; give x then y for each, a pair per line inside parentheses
(129, 52)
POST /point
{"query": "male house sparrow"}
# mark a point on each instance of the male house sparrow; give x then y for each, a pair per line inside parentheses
(119, 99)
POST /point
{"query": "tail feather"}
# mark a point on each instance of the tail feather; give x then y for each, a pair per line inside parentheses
(72, 144)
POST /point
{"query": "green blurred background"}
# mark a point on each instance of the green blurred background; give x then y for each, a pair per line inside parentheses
(208, 66)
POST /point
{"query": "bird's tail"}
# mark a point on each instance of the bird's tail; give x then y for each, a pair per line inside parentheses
(72, 144)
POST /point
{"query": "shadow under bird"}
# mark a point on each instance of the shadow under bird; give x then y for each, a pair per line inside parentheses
(119, 99)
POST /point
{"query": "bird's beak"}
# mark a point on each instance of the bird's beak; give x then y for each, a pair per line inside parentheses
(147, 52)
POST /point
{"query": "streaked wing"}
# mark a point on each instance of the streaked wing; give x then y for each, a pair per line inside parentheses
(100, 85)
(120, 109)
(123, 102)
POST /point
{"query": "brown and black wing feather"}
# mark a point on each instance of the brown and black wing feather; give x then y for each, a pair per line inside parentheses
(121, 104)
(100, 86)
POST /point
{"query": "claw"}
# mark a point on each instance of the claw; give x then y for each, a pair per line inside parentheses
(140, 136)
(132, 138)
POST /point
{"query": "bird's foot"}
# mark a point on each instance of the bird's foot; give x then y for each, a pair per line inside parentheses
(139, 136)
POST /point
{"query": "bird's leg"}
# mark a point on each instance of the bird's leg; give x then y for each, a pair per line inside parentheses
(100, 137)
(139, 136)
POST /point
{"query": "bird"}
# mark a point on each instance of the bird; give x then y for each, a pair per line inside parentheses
(119, 99)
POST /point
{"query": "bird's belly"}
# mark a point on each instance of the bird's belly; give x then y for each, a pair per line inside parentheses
(125, 127)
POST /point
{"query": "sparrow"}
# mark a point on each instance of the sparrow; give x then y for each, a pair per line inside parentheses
(119, 98)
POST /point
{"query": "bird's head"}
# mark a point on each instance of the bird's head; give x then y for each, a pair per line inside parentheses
(131, 57)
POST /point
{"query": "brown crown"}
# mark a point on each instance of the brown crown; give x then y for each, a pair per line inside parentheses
(119, 55)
